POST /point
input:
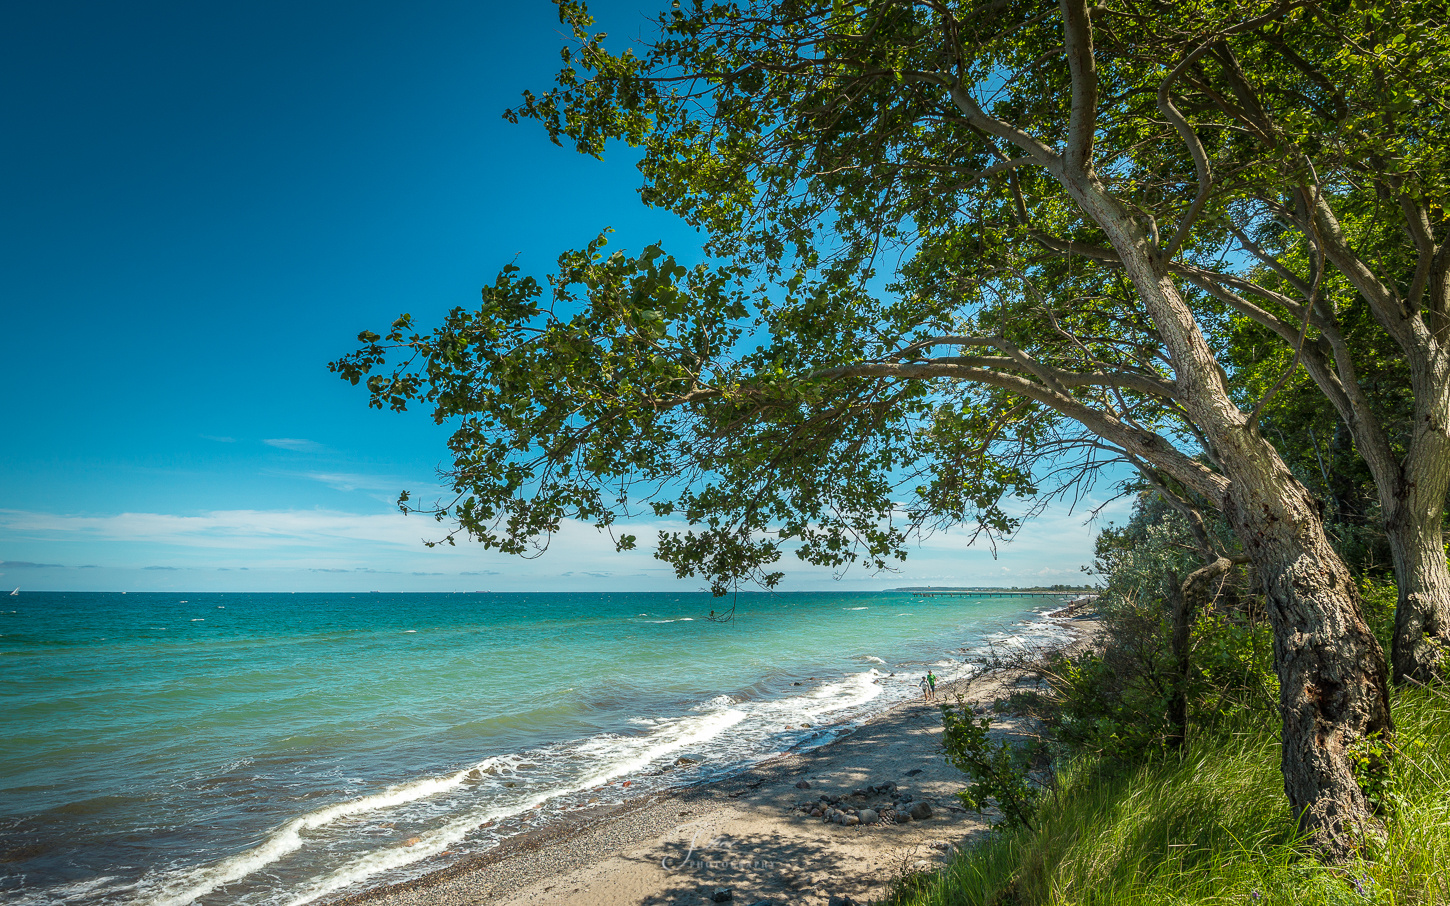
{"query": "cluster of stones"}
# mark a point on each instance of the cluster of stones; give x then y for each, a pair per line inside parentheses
(859, 807)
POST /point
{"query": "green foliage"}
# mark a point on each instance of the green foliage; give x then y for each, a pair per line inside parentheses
(1117, 702)
(1136, 821)
(998, 769)
(1121, 716)
(1211, 827)
(904, 316)
(1371, 758)
(1233, 662)
(1378, 598)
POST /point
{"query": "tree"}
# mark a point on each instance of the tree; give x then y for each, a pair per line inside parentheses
(1318, 145)
(989, 155)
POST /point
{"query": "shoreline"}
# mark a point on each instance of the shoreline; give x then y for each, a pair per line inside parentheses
(748, 832)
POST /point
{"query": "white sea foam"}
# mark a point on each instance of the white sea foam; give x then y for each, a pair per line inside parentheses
(844, 694)
(91, 887)
(616, 757)
(394, 857)
(872, 659)
(289, 838)
(719, 701)
(609, 757)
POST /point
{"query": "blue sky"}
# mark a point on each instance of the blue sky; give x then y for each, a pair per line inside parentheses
(204, 204)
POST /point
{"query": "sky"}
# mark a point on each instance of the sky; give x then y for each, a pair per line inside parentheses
(203, 204)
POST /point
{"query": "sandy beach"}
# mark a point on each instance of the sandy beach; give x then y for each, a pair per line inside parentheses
(752, 834)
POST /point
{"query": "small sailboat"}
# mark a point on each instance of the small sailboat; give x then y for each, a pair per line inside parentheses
(15, 592)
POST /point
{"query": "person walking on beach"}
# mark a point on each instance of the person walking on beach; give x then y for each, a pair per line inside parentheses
(931, 682)
(925, 689)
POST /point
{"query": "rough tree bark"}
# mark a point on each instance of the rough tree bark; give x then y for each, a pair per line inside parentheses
(1414, 515)
(1333, 687)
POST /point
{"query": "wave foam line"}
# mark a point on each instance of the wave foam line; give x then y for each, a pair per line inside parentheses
(288, 839)
(853, 691)
(690, 731)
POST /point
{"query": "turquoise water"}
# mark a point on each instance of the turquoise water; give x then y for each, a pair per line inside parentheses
(281, 748)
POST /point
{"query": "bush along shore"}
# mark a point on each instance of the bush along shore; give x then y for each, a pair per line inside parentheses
(1148, 770)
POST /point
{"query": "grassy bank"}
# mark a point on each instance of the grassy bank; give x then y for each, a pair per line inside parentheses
(1211, 826)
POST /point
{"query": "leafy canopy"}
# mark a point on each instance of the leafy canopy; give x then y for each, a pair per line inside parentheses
(904, 318)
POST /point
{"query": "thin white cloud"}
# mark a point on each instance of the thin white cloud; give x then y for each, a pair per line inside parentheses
(287, 539)
(238, 529)
(294, 444)
(1050, 548)
(379, 487)
(345, 481)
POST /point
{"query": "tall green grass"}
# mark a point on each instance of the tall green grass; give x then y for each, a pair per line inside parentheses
(1211, 826)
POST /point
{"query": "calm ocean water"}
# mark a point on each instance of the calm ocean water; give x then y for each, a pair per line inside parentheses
(281, 748)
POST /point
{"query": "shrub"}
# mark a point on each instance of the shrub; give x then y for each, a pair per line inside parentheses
(998, 770)
(1210, 826)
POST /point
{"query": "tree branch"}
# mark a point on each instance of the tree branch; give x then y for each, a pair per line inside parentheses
(1150, 446)
(1083, 116)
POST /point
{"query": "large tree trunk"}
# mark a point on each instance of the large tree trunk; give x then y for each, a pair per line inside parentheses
(1422, 615)
(1412, 494)
(1333, 682)
(1333, 688)
(1411, 491)
(1414, 516)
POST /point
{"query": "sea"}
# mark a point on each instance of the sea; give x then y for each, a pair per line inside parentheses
(165, 749)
